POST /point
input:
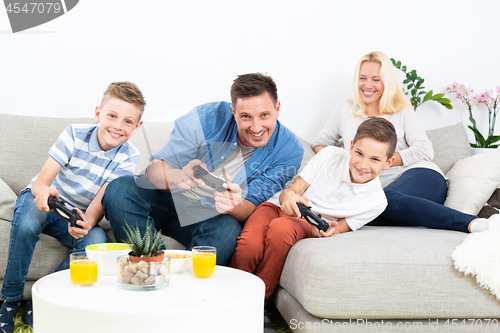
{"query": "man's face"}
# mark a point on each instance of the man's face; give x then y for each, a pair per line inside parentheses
(118, 120)
(256, 119)
(368, 159)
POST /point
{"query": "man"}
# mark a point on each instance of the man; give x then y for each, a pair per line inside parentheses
(242, 142)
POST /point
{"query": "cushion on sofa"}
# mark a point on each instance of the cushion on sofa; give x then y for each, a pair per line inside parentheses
(19, 166)
(24, 158)
(7, 201)
(472, 182)
(354, 275)
(451, 144)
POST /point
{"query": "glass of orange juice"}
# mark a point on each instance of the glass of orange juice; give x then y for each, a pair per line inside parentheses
(204, 261)
(83, 271)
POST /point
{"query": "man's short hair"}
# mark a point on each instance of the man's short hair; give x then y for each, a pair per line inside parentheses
(379, 129)
(127, 91)
(251, 85)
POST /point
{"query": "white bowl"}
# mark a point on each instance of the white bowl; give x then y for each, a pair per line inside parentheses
(106, 254)
(179, 265)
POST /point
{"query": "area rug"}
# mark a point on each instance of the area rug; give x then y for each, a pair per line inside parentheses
(479, 256)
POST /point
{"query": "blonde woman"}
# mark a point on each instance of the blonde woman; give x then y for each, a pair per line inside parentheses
(415, 187)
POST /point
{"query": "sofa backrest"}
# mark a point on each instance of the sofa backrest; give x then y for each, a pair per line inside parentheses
(26, 140)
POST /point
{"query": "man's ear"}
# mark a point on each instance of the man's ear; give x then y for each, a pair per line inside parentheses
(232, 109)
(278, 106)
(389, 162)
(97, 114)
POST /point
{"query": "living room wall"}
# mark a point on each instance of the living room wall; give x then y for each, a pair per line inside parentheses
(184, 53)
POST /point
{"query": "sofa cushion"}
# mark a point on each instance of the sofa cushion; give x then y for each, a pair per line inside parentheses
(472, 182)
(384, 272)
(22, 159)
(7, 201)
(451, 144)
(492, 206)
(23, 151)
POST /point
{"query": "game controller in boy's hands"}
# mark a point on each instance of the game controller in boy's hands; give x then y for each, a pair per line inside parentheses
(64, 210)
(209, 178)
(312, 218)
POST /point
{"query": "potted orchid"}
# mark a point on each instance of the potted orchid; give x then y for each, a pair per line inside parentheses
(492, 102)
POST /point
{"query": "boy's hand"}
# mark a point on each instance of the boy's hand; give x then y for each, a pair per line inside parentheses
(227, 200)
(76, 232)
(330, 231)
(41, 200)
(185, 179)
(289, 205)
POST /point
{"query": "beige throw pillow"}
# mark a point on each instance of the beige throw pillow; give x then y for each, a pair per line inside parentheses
(7, 201)
(472, 182)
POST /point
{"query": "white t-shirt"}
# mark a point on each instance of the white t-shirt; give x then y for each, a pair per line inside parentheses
(332, 193)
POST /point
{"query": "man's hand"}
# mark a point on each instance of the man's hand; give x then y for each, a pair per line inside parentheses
(41, 200)
(76, 232)
(225, 201)
(185, 179)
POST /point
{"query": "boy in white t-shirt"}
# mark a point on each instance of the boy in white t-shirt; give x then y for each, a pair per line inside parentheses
(81, 163)
(342, 186)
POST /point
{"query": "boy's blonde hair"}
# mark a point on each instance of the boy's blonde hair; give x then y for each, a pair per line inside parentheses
(127, 91)
(393, 98)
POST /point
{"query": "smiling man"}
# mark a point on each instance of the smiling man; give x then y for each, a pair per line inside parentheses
(242, 142)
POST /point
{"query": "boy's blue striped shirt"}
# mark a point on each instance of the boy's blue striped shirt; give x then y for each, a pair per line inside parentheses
(85, 166)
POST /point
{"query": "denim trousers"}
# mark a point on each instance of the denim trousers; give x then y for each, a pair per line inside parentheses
(416, 199)
(125, 201)
(27, 224)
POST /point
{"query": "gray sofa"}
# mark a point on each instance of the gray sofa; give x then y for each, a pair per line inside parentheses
(377, 278)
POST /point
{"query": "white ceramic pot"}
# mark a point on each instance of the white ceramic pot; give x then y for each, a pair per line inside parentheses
(475, 151)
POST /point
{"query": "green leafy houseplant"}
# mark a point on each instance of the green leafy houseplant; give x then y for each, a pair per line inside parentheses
(143, 246)
(413, 88)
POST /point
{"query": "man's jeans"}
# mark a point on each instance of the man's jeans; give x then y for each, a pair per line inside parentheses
(416, 199)
(27, 224)
(125, 201)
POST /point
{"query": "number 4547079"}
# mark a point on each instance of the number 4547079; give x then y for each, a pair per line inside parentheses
(34, 7)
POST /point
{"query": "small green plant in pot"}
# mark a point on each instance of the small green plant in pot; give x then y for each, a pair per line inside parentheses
(144, 248)
(414, 89)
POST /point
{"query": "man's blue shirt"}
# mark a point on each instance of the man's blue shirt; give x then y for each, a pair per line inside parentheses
(209, 133)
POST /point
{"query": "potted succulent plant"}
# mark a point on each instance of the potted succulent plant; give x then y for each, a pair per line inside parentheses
(146, 267)
(144, 248)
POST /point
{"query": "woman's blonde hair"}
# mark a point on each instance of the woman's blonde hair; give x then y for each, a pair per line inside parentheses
(393, 98)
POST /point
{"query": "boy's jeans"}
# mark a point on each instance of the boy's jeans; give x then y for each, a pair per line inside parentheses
(125, 201)
(28, 222)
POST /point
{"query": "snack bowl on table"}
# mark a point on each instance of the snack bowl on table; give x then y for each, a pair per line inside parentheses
(180, 260)
(106, 254)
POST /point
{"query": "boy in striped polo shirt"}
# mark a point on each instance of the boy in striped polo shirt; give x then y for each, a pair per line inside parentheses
(84, 159)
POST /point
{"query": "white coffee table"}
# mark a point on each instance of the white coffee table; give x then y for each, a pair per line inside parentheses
(230, 301)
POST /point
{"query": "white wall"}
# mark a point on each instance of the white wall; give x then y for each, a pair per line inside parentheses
(183, 53)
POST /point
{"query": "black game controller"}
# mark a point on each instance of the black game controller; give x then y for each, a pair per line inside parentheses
(312, 218)
(209, 178)
(64, 210)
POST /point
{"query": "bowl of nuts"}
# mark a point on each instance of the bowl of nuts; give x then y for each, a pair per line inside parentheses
(143, 275)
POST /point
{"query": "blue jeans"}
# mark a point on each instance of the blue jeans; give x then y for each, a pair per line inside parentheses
(416, 199)
(125, 201)
(27, 224)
